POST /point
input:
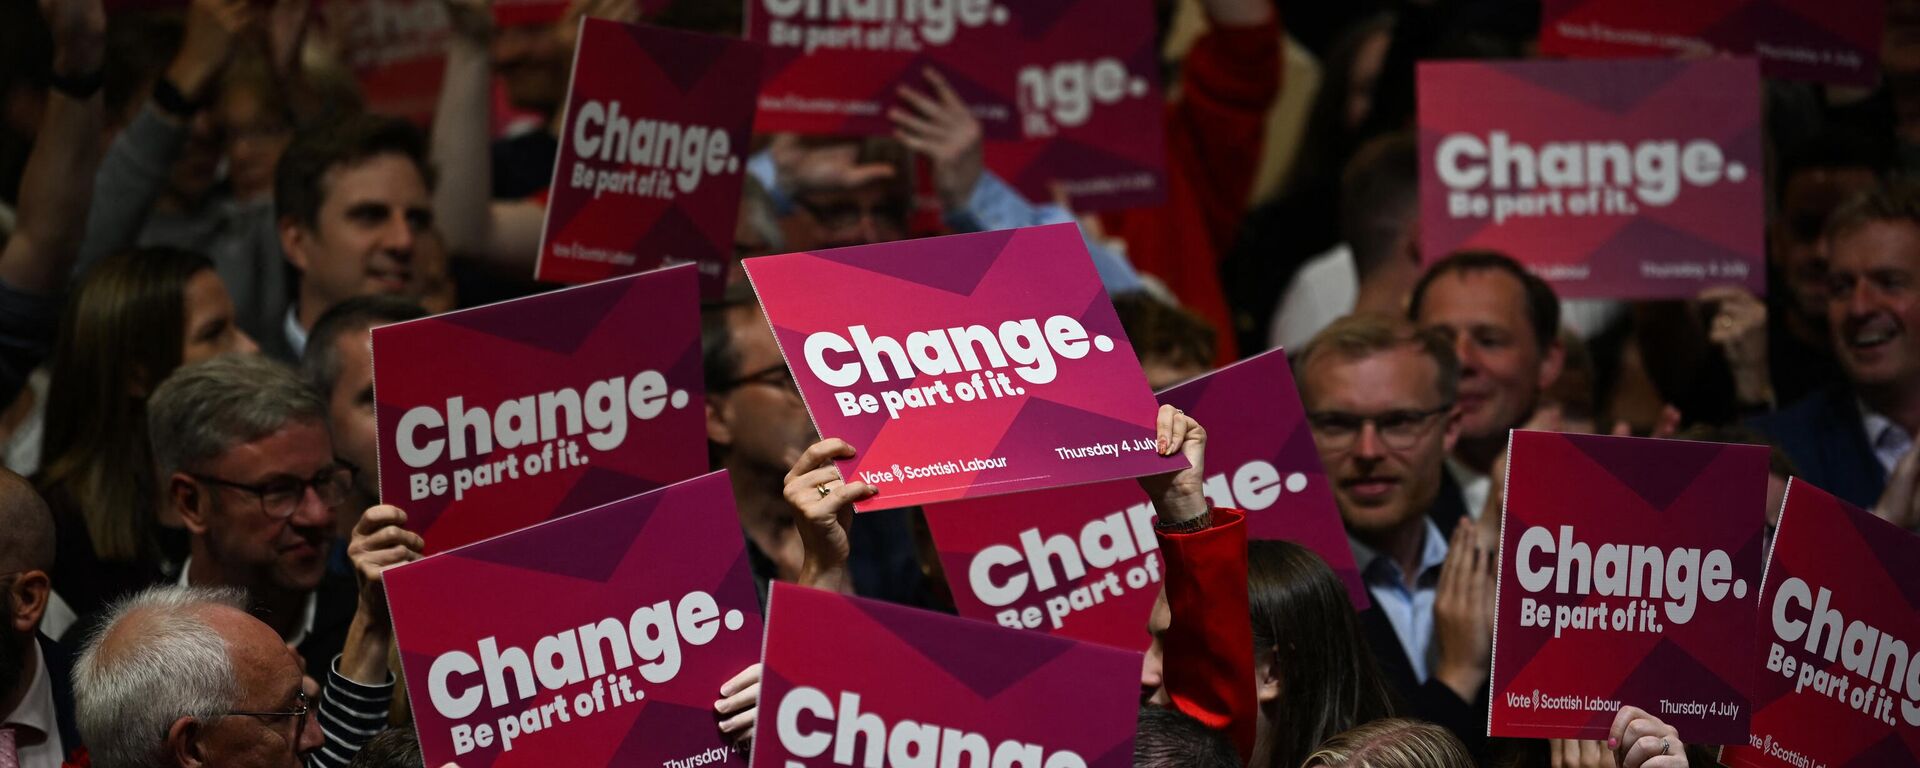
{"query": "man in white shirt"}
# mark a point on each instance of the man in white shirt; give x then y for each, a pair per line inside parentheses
(1377, 265)
(36, 701)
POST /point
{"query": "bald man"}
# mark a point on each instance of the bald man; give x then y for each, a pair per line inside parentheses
(36, 702)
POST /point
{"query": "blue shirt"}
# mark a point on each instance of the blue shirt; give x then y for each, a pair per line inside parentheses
(1409, 610)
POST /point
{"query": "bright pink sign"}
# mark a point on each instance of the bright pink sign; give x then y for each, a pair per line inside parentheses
(396, 49)
(1084, 562)
(847, 677)
(1611, 179)
(1629, 568)
(963, 366)
(495, 418)
(1837, 662)
(652, 154)
(1067, 91)
(1837, 41)
(600, 638)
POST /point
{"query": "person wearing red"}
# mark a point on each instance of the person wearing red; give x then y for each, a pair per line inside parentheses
(1215, 134)
(1201, 659)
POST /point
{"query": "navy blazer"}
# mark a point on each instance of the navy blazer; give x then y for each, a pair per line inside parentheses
(1823, 435)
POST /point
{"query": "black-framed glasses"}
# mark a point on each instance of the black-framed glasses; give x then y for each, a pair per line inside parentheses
(1399, 430)
(302, 709)
(841, 216)
(280, 498)
(776, 376)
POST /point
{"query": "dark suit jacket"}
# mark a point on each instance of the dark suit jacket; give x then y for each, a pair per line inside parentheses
(60, 671)
(1823, 435)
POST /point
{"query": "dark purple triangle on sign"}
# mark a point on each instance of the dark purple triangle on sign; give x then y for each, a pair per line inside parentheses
(683, 57)
(564, 327)
(1037, 17)
(953, 263)
(1888, 547)
(1656, 473)
(953, 644)
(1624, 86)
(591, 558)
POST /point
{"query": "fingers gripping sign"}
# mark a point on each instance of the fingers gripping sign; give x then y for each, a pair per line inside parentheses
(1640, 740)
(1179, 495)
(380, 542)
(823, 504)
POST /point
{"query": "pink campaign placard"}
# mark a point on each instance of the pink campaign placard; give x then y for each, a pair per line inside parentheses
(963, 366)
(1611, 179)
(652, 154)
(600, 638)
(902, 686)
(1066, 91)
(396, 50)
(1629, 568)
(1836, 41)
(495, 418)
(1836, 664)
(1084, 563)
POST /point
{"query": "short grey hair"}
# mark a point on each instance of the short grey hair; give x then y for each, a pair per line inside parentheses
(320, 362)
(205, 409)
(153, 660)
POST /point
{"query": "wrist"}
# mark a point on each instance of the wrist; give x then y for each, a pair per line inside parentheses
(188, 78)
(1181, 508)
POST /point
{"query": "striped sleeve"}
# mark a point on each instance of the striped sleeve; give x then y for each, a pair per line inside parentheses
(349, 714)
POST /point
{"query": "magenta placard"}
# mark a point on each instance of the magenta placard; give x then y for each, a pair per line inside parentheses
(963, 366)
(396, 49)
(898, 681)
(1836, 41)
(495, 418)
(652, 154)
(1630, 567)
(1066, 91)
(601, 638)
(1084, 562)
(1611, 179)
(1836, 664)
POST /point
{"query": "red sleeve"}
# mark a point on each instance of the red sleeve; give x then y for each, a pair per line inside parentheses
(1208, 647)
(1217, 130)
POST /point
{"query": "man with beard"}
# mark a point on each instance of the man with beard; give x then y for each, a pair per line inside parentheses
(242, 450)
(1849, 439)
(36, 702)
(757, 428)
(1380, 399)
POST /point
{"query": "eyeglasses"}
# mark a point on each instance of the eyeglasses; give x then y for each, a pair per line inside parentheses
(1399, 430)
(279, 499)
(301, 710)
(841, 216)
(776, 376)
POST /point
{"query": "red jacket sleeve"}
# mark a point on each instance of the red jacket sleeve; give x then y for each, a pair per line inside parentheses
(1208, 647)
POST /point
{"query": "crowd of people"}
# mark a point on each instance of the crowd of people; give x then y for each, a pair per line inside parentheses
(202, 221)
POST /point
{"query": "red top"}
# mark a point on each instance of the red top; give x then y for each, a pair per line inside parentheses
(1215, 134)
(1208, 647)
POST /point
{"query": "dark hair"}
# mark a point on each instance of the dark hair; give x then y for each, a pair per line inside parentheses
(122, 334)
(299, 180)
(1379, 196)
(1169, 738)
(320, 362)
(1778, 463)
(1893, 201)
(1160, 331)
(1835, 146)
(391, 748)
(1543, 305)
(1302, 617)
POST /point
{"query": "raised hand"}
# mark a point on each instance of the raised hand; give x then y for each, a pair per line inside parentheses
(1463, 614)
(941, 127)
(1640, 740)
(1179, 496)
(825, 512)
(212, 27)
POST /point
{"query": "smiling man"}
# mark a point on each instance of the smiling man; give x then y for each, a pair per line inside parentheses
(1847, 439)
(353, 199)
(241, 446)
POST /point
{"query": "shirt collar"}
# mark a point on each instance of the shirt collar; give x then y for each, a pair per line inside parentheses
(1877, 425)
(296, 335)
(307, 612)
(1376, 566)
(35, 711)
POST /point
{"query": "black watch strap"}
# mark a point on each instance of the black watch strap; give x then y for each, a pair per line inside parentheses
(82, 86)
(168, 97)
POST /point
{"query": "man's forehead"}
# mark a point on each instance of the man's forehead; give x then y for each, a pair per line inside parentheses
(1879, 244)
(1482, 294)
(290, 447)
(1400, 377)
(360, 181)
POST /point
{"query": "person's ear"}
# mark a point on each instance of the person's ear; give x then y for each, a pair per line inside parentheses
(30, 591)
(719, 419)
(186, 500)
(183, 743)
(1452, 435)
(1552, 363)
(295, 240)
(1266, 676)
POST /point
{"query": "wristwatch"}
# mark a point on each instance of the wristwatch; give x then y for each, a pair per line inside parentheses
(1194, 524)
(169, 99)
(81, 87)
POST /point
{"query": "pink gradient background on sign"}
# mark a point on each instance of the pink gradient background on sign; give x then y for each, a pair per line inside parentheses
(910, 664)
(1251, 411)
(1873, 568)
(1627, 101)
(1125, 138)
(937, 283)
(1629, 491)
(653, 74)
(567, 338)
(602, 563)
(1733, 26)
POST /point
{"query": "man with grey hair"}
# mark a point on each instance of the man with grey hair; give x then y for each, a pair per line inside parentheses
(36, 704)
(245, 460)
(184, 676)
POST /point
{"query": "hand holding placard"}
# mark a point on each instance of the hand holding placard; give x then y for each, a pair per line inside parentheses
(1180, 495)
(825, 507)
(378, 543)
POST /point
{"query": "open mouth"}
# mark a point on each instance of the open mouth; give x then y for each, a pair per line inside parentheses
(1872, 333)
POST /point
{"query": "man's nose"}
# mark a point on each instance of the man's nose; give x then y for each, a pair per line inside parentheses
(1366, 443)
